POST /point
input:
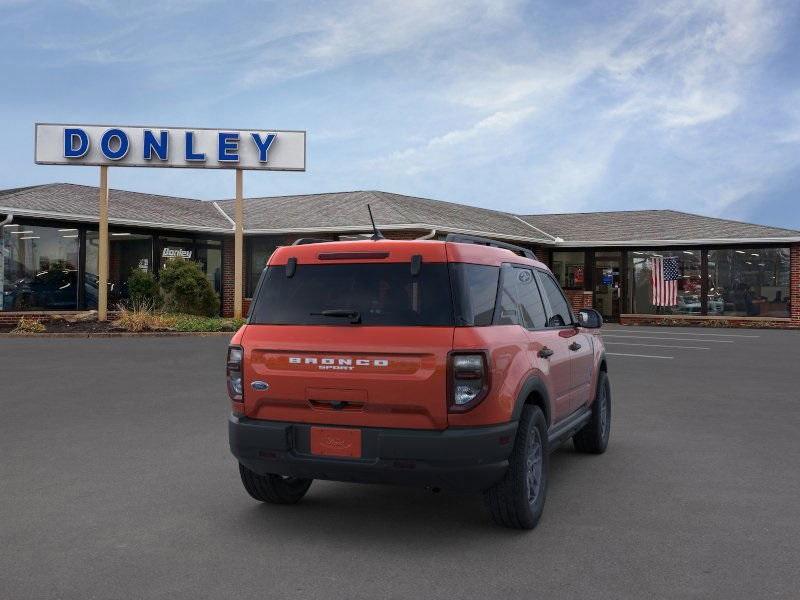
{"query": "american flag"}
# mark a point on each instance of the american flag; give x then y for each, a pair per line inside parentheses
(664, 277)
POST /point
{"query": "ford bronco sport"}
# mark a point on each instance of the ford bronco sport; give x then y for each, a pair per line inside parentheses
(454, 364)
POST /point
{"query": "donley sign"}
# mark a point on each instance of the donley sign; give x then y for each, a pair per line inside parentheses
(189, 148)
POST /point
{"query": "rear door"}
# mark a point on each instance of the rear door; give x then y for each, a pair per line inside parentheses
(521, 303)
(359, 344)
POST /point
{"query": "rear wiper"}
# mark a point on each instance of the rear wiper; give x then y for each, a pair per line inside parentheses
(353, 315)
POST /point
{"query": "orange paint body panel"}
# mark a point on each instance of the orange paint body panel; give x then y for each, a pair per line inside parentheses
(382, 376)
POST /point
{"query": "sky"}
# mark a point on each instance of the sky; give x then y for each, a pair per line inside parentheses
(528, 107)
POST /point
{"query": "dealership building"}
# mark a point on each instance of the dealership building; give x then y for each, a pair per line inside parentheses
(724, 272)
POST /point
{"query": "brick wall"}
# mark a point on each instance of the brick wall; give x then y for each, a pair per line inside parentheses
(709, 321)
(227, 276)
(794, 283)
(579, 299)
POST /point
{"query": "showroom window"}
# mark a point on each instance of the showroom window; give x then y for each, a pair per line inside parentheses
(569, 269)
(748, 282)
(258, 252)
(666, 282)
(39, 268)
(128, 252)
(209, 255)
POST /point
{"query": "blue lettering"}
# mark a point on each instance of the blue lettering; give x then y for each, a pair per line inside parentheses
(263, 145)
(70, 137)
(228, 142)
(122, 144)
(159, 146)
(190, 153)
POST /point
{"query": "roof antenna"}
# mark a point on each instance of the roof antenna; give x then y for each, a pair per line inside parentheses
(377, 235)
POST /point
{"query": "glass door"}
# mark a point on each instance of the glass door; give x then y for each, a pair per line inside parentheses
(607, 284)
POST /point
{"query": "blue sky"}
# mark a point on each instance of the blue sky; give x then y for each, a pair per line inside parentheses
(521, 106)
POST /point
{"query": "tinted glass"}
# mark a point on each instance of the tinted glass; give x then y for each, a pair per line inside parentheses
(382, 294)
(749, 282)
(520, 300)
(38, 267)
(508, 299)
(258, 252)
(474, 293)
(560, 313)
(128, 251)
(209, 255)
(530, 300)
(666, 281)
(568, 267)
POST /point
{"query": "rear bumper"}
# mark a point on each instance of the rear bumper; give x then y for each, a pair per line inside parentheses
(466, 459)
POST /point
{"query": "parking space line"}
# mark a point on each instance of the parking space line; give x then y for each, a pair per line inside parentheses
(638, 355)
(656, 345)
(652, 337)
(736, 335)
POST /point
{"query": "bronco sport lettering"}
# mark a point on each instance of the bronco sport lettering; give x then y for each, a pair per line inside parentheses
(452, 363)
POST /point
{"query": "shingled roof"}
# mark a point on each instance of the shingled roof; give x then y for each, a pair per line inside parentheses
(79, 203)
(643, 226)
(347, 211)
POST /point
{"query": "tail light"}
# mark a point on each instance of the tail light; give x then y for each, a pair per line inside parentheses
(468, 379)
(234, 372)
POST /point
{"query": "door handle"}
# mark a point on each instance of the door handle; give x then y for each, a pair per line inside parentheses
(574, 346)
(545, 352)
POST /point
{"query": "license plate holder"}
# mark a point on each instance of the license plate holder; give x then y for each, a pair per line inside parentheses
(336, 441)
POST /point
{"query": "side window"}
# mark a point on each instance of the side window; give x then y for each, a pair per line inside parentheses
(560, 314)
(507, 300)
(520, 302)
(474, 291)
(530, 300)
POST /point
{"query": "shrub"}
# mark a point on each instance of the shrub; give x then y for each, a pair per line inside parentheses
(143, 289)
(142, 317)
(186, 289)
(26, 325)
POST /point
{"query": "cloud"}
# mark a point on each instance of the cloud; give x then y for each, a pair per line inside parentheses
(330, 39)
(474, 144)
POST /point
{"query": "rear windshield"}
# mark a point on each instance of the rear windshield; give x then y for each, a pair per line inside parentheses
(368, 294)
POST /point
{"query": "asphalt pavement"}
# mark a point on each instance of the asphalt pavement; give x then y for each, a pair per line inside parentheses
(116, 482)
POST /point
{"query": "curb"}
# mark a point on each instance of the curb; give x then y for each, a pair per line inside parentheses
(119, 334)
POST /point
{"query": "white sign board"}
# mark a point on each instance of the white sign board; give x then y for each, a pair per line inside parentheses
(189, 148)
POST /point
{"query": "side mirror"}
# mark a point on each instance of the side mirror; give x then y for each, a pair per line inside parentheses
(590, 318)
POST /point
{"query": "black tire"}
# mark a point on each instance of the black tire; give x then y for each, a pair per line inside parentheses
(274, 489)
(593, 438)
(517, 501)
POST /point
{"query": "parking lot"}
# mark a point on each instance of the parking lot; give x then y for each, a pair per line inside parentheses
(117, 483)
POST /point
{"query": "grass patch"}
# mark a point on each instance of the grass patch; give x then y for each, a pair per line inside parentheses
(26, 325)
(193, 323)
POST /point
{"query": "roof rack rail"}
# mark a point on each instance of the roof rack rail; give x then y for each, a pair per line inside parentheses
(304, 241)
(482, 241)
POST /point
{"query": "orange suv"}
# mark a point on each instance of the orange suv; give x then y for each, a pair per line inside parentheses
(453, 364)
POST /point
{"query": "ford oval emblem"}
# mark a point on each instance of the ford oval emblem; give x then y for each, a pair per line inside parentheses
(260, 385)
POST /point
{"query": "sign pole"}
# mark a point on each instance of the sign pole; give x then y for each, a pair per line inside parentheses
(238, 248)
(102, 256)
